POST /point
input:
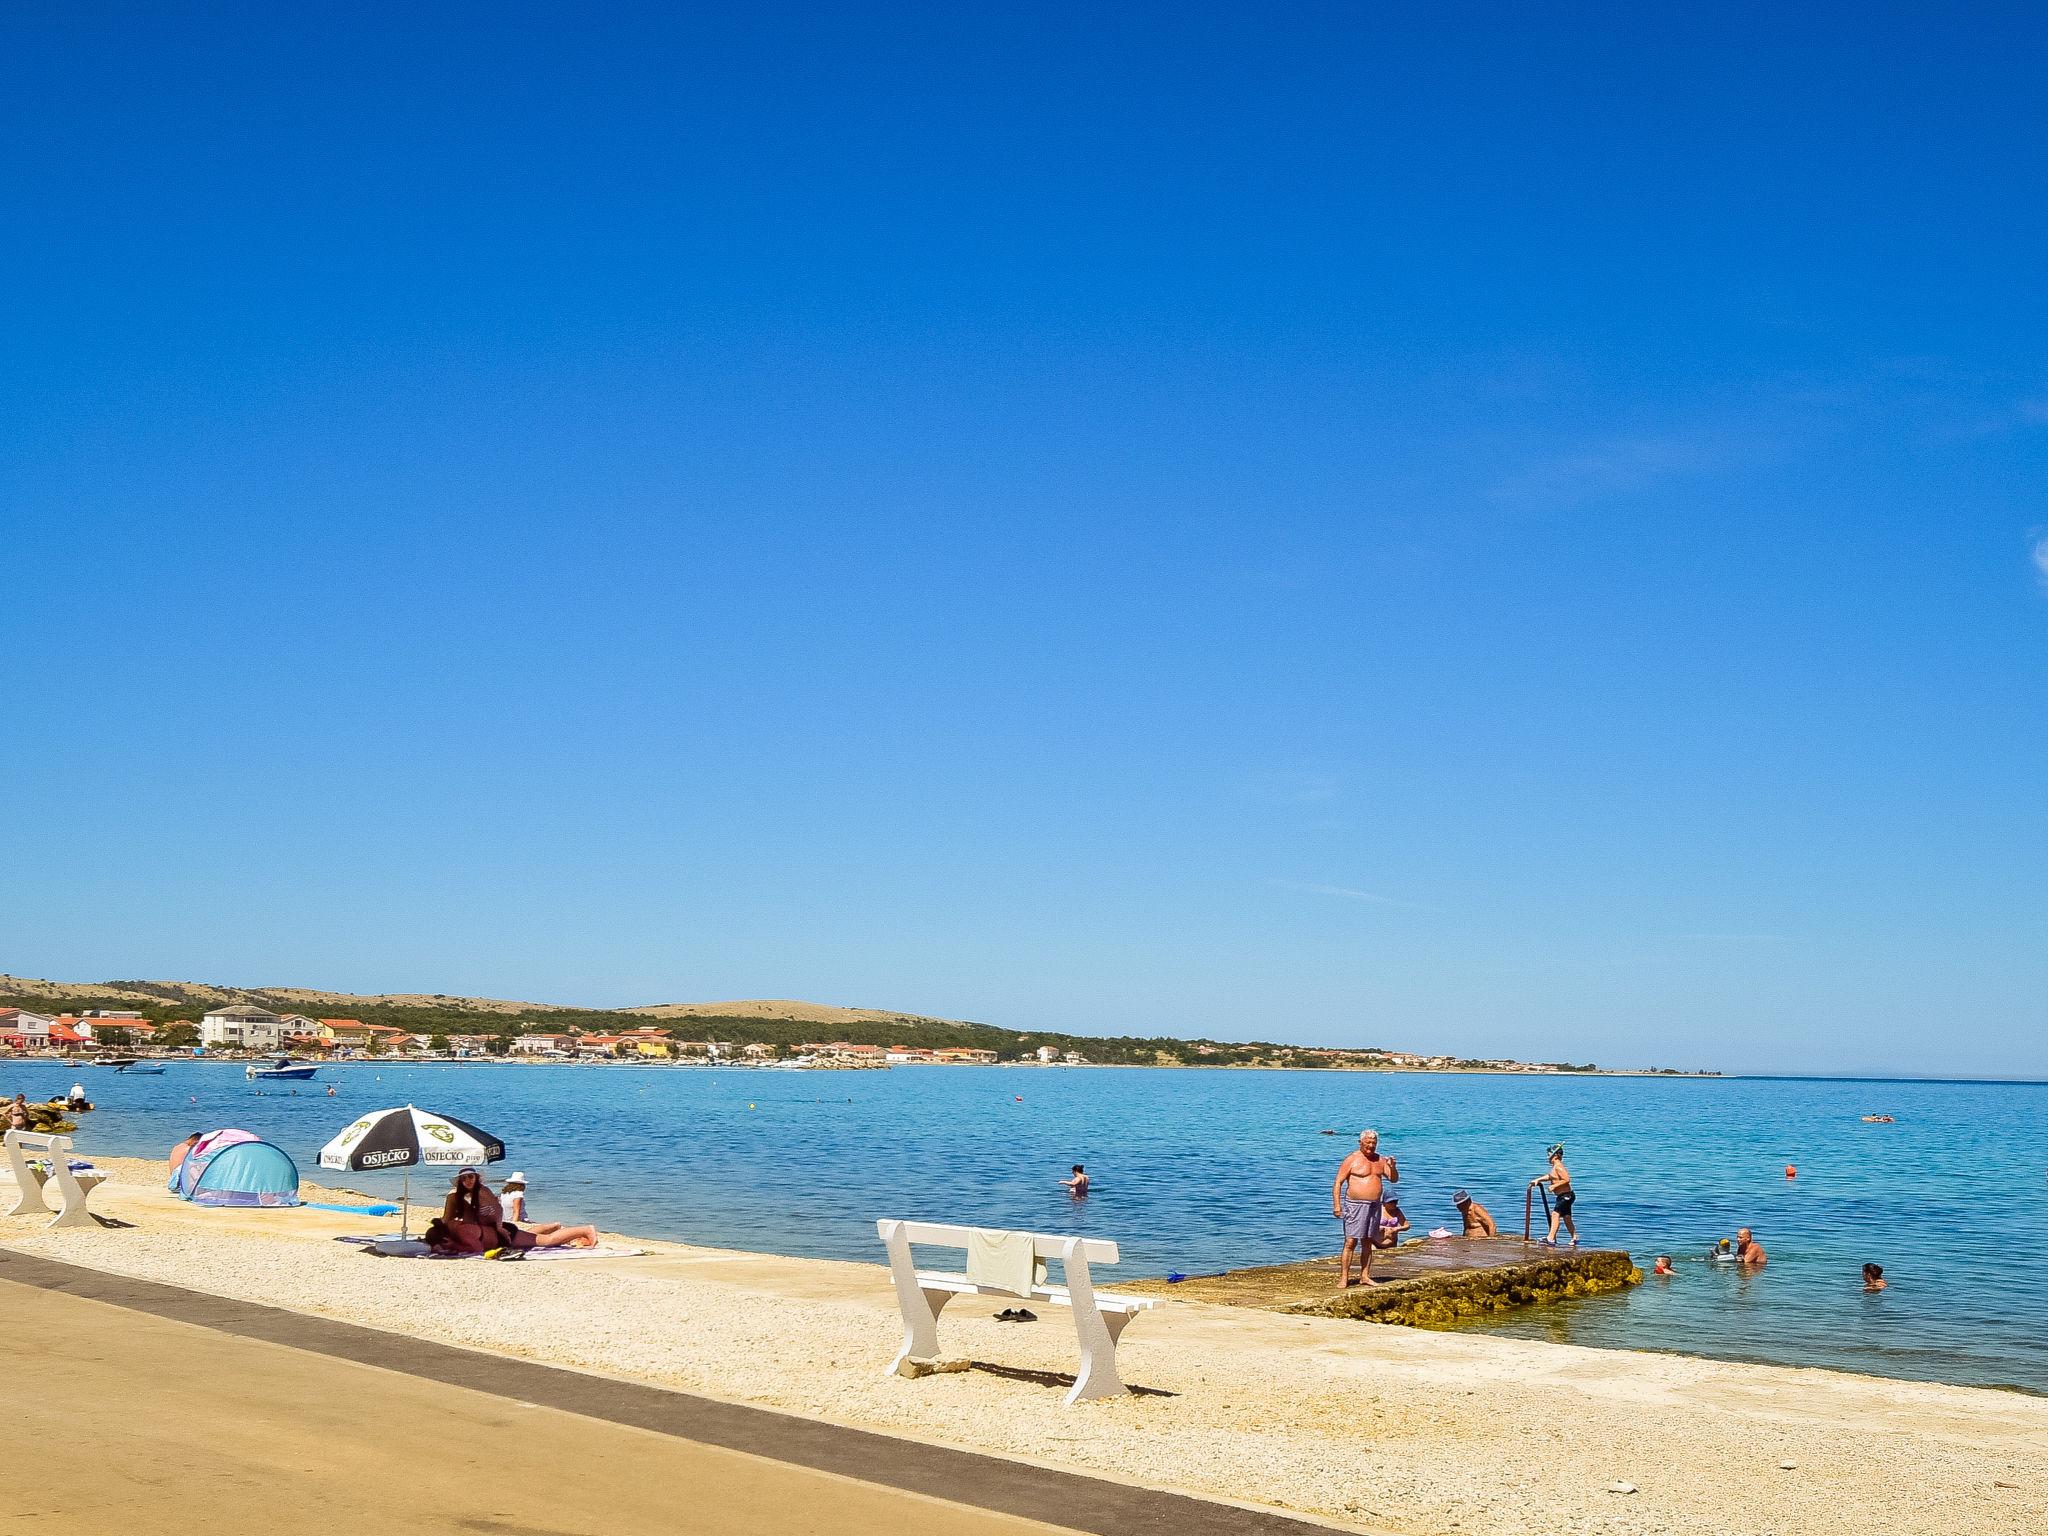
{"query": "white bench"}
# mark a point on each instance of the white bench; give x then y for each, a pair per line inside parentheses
(1099, 1316)
(75, 1187)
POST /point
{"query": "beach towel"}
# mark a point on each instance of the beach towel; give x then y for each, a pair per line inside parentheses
(354, 1210)
(76, 1164)
(415, 1248)
(1002, 1261)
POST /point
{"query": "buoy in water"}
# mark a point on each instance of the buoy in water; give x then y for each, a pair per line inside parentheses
(1791, 1172)
(1018, 1097)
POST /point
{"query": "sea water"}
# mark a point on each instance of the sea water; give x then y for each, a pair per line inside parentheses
(1198, 1170)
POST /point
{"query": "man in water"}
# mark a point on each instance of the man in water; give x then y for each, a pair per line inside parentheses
(1478, 1219)
(1356, 1200)
(1748, 1251)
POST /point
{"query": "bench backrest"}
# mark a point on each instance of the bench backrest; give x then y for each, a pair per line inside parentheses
(1094, 1250)
(37, 1141)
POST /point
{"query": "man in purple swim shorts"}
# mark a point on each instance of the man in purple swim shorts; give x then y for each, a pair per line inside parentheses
(1356, 1198)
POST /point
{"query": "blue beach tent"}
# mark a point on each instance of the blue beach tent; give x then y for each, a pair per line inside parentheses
(231, 1167)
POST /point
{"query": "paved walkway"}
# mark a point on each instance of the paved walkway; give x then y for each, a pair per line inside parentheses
(249, 1421)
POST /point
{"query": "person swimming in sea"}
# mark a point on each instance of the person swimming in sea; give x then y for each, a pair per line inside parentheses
(1749, 1253)
(1393, 1222)
(1478, 1219)
(1873, 1277)
(1724, 1251)
(1562, 1198)
(1077, 1186)
(1663, 1266)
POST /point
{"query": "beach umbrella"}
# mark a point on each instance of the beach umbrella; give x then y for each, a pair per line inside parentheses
(405, 1137)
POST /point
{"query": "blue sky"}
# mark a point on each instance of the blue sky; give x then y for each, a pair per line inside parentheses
(1503, 530)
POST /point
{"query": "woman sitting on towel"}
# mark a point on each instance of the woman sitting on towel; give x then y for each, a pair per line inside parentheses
(476, 1222)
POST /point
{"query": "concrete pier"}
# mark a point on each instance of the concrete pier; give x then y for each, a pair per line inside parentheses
(1431, 1282)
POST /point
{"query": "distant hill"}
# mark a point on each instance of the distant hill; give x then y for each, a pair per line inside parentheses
(18, 990)
(775, 1021)
(148, 995)
(782, 1008)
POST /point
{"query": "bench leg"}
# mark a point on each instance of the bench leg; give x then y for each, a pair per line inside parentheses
(74, 1213)
(31, 1198)
(920, 1325)
(1098, 1376)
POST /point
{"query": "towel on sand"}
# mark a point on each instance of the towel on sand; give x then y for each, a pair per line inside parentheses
(1002, 1261)
(414, 1248)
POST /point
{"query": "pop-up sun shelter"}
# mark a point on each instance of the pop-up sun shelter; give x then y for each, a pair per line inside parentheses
(235, 1168)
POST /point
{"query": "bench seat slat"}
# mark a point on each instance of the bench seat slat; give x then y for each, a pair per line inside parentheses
(1109, 1301)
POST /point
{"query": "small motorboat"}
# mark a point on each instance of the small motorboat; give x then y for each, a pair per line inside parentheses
(281, 1069)
(145, 1068)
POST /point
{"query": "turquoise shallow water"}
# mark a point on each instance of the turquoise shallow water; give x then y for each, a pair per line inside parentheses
(1201, 1170)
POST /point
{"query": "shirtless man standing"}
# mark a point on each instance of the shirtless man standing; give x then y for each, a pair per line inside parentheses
(1355, 1200)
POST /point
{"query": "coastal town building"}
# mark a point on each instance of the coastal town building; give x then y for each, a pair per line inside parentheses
(241, 1026)
(543, 1045)
(355, 1035)
(25, 1031)
(649, 1044)
(109, 1028)
(846, 1051)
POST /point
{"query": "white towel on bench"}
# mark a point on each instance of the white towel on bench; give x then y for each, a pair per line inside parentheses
(1003, 1261)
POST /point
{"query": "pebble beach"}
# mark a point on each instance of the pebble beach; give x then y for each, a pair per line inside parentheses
(1366, 1427)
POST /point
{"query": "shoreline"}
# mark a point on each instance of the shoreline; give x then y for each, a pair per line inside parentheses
(1437, 1429)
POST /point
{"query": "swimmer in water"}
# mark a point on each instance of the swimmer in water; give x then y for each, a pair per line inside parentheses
(1724, 1252)
(1077, 1186)
(1749, 1253)
(1478, 1219)
(1663, 1265)
(330, 1090)
(1393, 1222)
(1873, 1277)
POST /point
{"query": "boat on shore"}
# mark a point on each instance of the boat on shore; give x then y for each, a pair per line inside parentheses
(281, 1069)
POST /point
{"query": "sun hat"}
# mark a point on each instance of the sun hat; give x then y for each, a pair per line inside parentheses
(1461, 1198)
(517, 1178)
(1557, 1150)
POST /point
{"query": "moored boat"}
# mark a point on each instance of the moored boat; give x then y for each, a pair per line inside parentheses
(281, 1069)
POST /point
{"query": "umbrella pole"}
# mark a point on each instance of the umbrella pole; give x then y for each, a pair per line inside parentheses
(405, 1206)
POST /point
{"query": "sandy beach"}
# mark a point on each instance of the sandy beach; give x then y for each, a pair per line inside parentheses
(1378, 1428)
